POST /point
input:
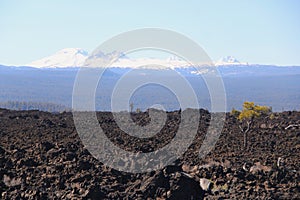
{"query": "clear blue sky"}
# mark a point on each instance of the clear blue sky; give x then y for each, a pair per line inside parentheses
(257, 31)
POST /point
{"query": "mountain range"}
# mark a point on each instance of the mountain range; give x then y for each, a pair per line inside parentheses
(51, 80)
(76, 57)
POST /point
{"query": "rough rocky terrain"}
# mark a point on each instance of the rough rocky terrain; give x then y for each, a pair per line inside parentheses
(42, 157)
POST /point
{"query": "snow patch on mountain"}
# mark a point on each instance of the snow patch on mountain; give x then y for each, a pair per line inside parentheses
(149, 63)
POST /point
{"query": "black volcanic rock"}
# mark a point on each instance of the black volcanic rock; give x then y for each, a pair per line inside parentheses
(42, 157)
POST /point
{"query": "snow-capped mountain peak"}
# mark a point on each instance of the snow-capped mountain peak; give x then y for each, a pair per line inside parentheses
(229, 60)
(68, 57)
(77, 57)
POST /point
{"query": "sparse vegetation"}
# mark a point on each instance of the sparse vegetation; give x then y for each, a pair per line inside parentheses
(247, 115)
(131, 107)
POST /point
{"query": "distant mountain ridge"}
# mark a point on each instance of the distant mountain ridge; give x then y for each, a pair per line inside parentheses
(267, 85)
(77, 57)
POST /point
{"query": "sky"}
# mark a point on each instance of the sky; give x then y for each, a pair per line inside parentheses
(254, 31)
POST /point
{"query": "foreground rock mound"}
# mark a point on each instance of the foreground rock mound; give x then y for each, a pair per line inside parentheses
(42, 157)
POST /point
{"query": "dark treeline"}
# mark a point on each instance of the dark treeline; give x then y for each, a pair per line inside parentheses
(22, 105)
